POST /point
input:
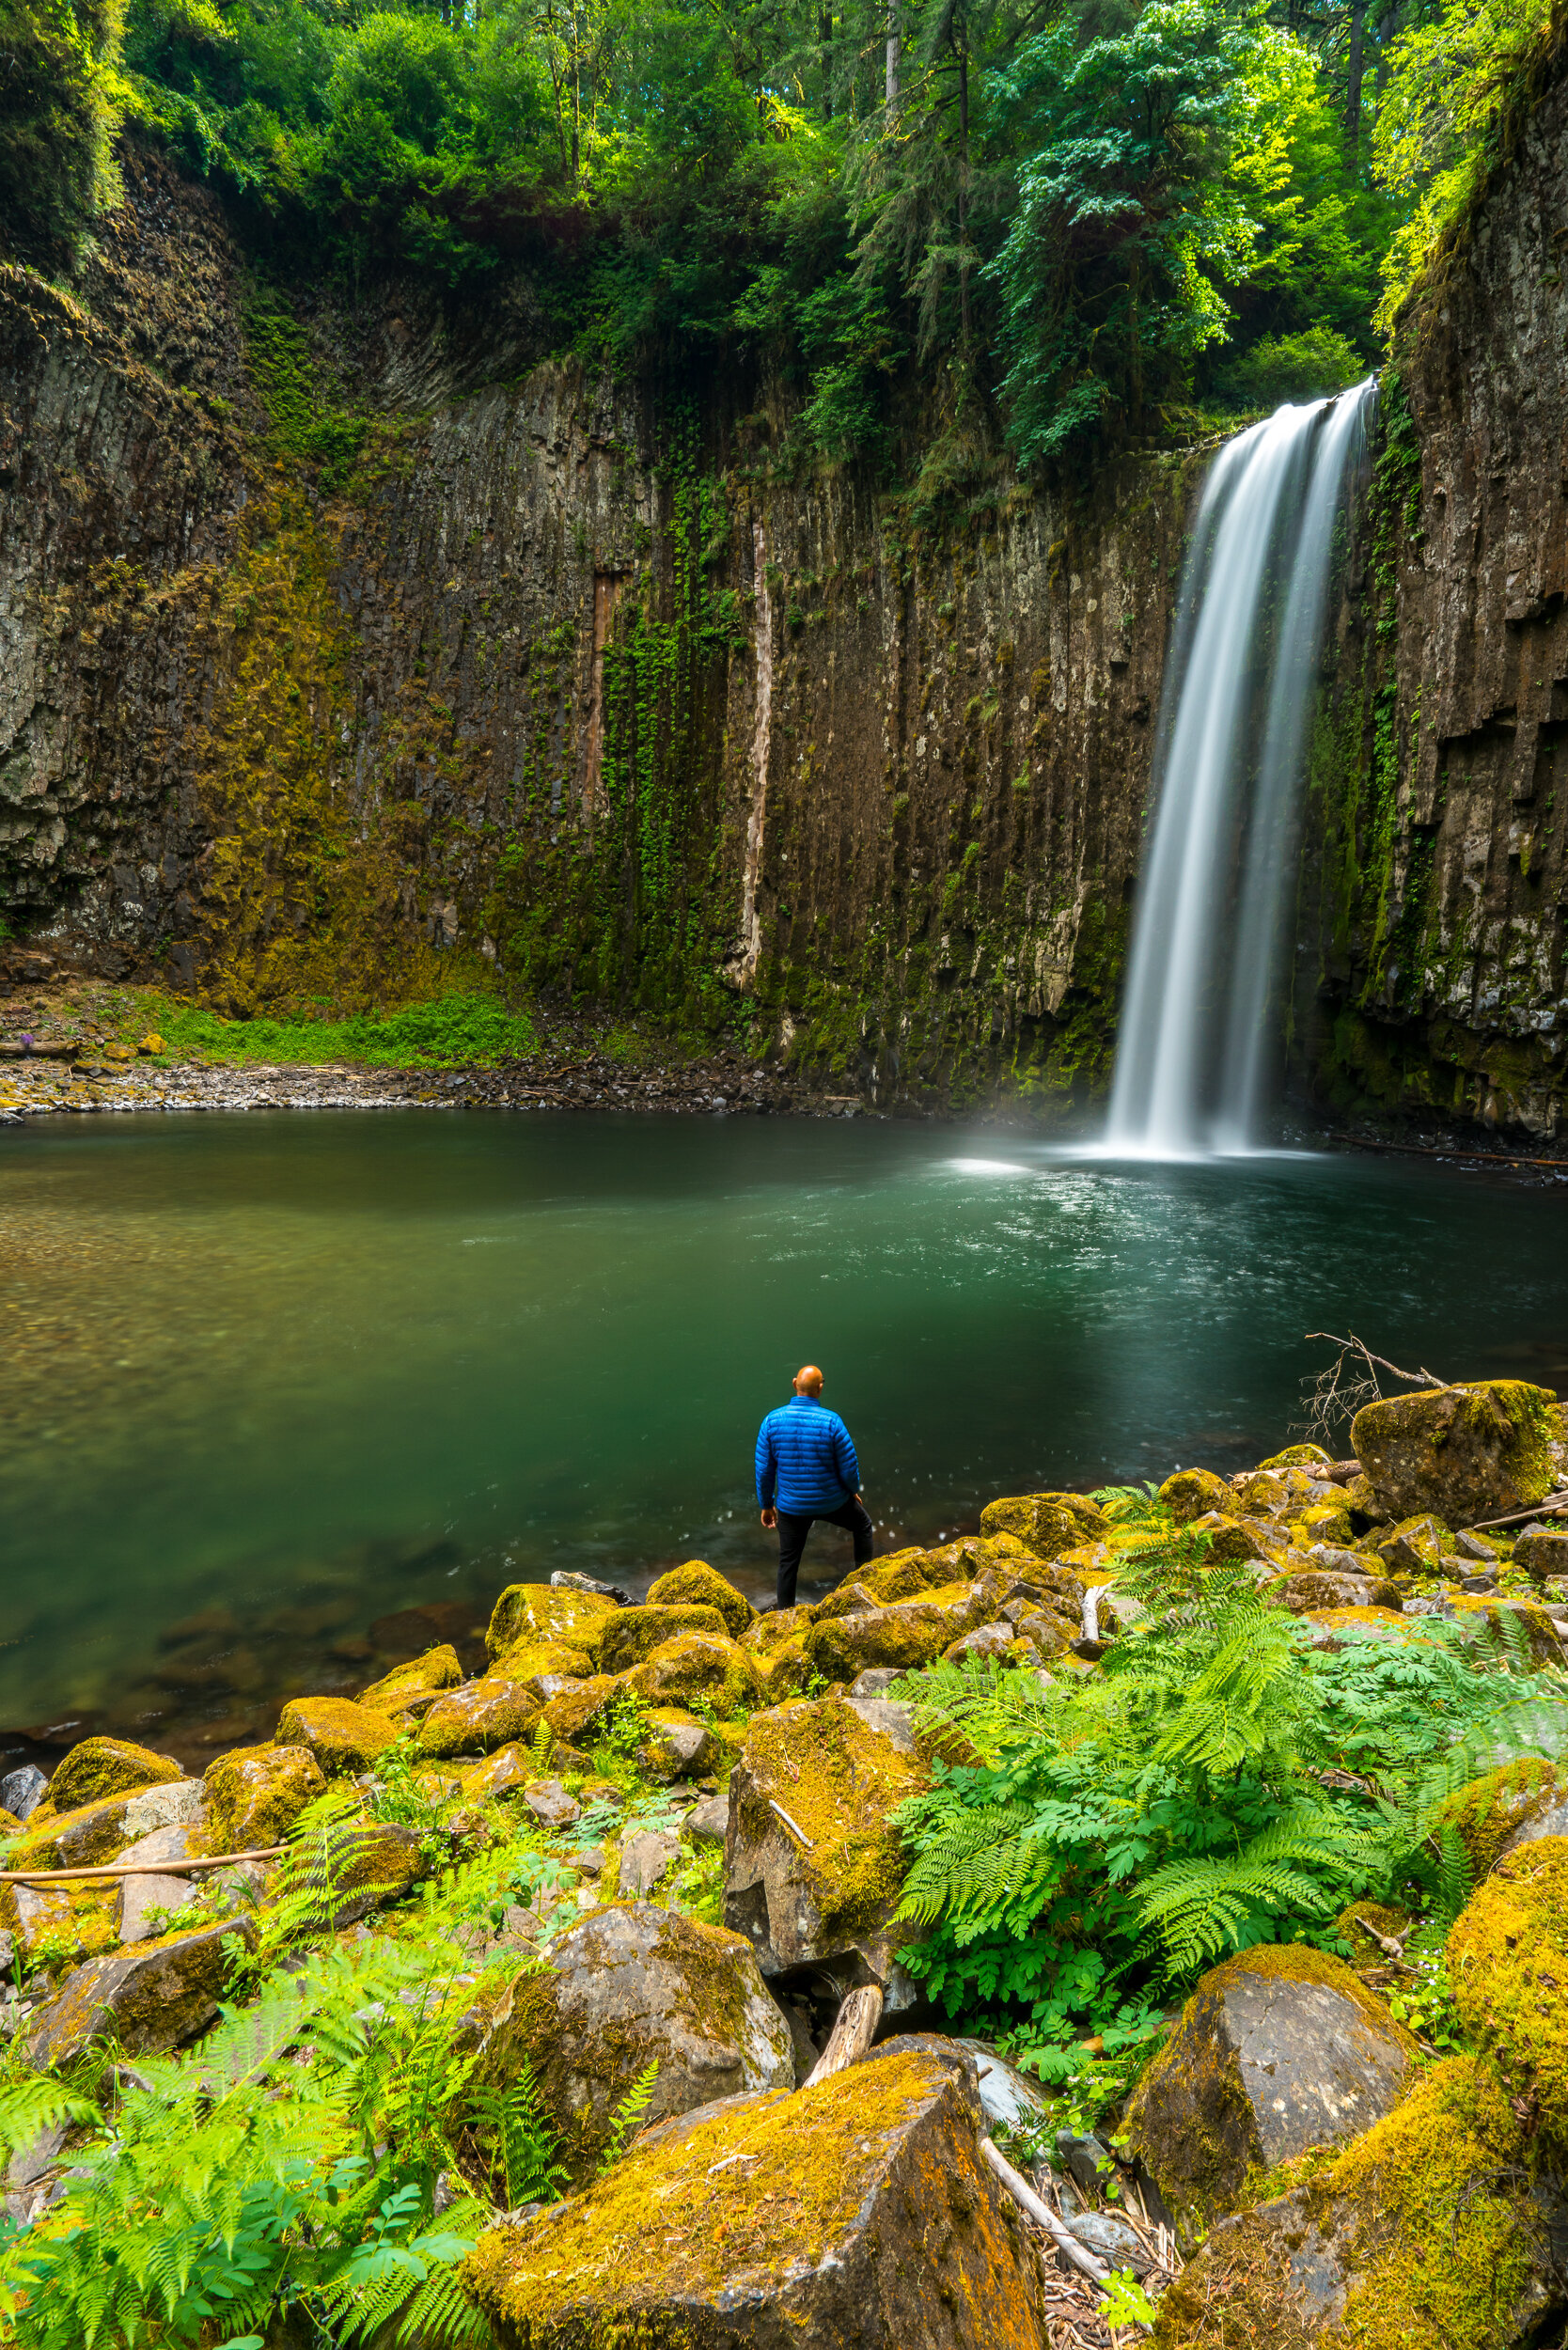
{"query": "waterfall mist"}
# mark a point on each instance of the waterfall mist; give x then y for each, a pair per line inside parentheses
(1200, 1016)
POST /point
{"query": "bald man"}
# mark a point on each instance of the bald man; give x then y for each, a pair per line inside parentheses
(806, 1471)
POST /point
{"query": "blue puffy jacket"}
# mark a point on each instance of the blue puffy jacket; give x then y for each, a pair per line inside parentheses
(805, 1463)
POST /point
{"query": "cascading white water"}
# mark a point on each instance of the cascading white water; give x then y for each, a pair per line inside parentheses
(1193, 1053)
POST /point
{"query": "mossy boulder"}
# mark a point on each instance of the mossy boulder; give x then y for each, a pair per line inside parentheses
(901, 1576)
(1301, 1456)
(912, 1632)
(1280, 1495)
(543, 1665)
(637, 1631)
(153, 1996)
(698, 1584)
(528, 1612)
(479, 1716)
(438, 1668)
(784, 1671)
(1463, 1452)
(1192, 1493)
(77, 1920)
(1416, 1547)
(1279, 2049)
(1321, 1586)
(779, 1625)
(853, 1598)
(1489, 1814)
(83, 1839)
(626, 1986)
(1047, 1523)
(813, 1863)
(1508, 1963)
(579, 1713)
(342, 1735)
(696, 1665)
(1512, 1626)
(106, 1767)
(857, 2216)
(1231, 1540)
(1430, 2231)
(256, 1793)
(678, 1744)
(1543, 1554)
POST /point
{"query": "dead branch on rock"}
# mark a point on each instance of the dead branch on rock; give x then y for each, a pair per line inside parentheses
(140, 1868)
(1349, 1383)
(850, 2036)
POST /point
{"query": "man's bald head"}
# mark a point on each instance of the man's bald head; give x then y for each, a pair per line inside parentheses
(809, 1380)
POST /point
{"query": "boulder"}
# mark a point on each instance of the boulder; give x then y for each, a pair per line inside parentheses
(1508, 1963)
(1517, 1625)
(550, 1804)
(546, 1666)
(1317, 1586)
(1302, 1456)
(851, 1599)
(152, 1998)
(1489, 1814)
(995, 1641)
(1047, 1523)
(74, 1920)
(813, 1864)
(566, 1579)
(709, 1823)
(178, 1803)
(857, 2216)
(777, 1625)
(541, 1611)
(1279, 2049)
(1193, 1492)
(83, 1839)
(256, 1793)
(1338, 1627)
(342, 1735)
(646, 1859)
(141, 1899)
(580, 1712)
(480, 1716)
(106, 1767)
(505, 1771)
(626, 1986)
(695, 1665)
(22, 1790)
(1275, 1495)
(1435, 2230)
(785, 1671)
(1542, 1553)
(698, 1585)
(438, 1668)
(1465, 1452)
(637, 1631)
(912, 1632)
(1232, 1541)
(679, 1746)
(1415, 1547)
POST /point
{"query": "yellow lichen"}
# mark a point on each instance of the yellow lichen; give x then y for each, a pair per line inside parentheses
(1508, 1961)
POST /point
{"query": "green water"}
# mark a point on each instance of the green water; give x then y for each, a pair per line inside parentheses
(275, 1379)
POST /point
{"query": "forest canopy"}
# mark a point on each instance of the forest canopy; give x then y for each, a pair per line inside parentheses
(1056, 219)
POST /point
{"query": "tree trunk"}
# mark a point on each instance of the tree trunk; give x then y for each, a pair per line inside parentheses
(1352, 82)
(895, 47)
(824, 43)
(852, 2034)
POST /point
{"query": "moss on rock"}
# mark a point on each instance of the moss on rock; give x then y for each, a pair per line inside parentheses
(438, 1668)
(479, 1716)
(698, 1584)
(637, 1631)
(700, 1665)
(1192, 1492)
(106, 1767)
(256, 1793)
(1463, 1452)
(342, 1735)
(1491, 1809)
(1297, 1456)
(537, 1611)
(1047, 1523)
(1508, 1962)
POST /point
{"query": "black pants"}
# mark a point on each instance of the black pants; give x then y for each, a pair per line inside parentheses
(793, 1532)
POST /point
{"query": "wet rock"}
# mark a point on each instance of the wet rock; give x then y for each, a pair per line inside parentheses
(1541, 1554)
(550, 1804)
(1047, 1523)
(681, 1747)
(629, 1985)
(1279, 2049)
(914, 1632)
(637, 1631)
(646, 1859)
(1194, 1492)
(528, 1612)
(813, 1866)
(696, 1665)
(564, 1579)
(21, 1791)
(1437, 2227)
(438, 1668)
(480, 1716)
(106, 1767)
(1317, 1588)
(152, 1998)
(256, 1793)
(855, 2217)
(698, 1584)
(342, 1736)
(1463, 1452)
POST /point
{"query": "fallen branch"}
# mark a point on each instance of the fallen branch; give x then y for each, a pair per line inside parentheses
(1553, 1507)
(1419, 1151)
(850, 2036)
(1411, 1378)
(1041, 2213)
(794, 1825)
(139, 1869)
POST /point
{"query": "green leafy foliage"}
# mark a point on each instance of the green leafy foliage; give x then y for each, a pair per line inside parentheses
(1089, 1845)
(62, 94)
(452, 1032)
(626, 2116)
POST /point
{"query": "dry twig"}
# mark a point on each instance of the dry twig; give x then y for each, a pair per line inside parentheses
(1349, 1383)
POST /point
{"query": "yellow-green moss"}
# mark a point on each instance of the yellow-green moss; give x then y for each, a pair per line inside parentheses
(93, 1832)
(106, 1767)
(1508, 1962)
(438, 1668)
(256, 1793)
(537, 1611)
(577, 1712)
(1297, 1456)
(1479, 1450)
(637, 1631)
(533, 1661)
(839, 1780)
(342, 1735)
(1193, 1491)
(698, 1584)
(696, 1665)
(1047, 1523)
(1485, 1813)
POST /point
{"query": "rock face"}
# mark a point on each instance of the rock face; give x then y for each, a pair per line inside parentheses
(152, 1998)
(1279, 2049)
(1462, 1454)
(813, 1868)
(855, 2217)
(627, 1987)
(1437, 2229)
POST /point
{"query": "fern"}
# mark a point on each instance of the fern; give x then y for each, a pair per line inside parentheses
(31, 2107)
(626, 2115)
(521, 2143)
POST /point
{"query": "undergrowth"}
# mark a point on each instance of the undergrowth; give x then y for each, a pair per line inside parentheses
(453, 1031)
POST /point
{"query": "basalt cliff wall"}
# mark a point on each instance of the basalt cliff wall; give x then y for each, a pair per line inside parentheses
(349, 652)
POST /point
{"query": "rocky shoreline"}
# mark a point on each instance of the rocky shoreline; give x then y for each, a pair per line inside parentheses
(655, 1863)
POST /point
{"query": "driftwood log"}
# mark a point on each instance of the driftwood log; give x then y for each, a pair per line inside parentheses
(138, 1868)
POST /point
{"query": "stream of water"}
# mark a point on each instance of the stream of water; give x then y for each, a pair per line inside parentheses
(288, 1393)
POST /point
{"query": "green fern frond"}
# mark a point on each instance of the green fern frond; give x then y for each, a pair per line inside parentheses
(626, 2115)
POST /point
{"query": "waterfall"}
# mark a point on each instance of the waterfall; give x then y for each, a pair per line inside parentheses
(1199, 1015)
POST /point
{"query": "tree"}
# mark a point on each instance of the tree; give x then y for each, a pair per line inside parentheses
(61, 98)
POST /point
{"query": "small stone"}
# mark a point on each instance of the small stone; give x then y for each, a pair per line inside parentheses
(504, 1773)
(21, 1791)
(1479, 1583)
(681, 1747)
(550, 1804)
(646, 1859)
(709, 1823)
